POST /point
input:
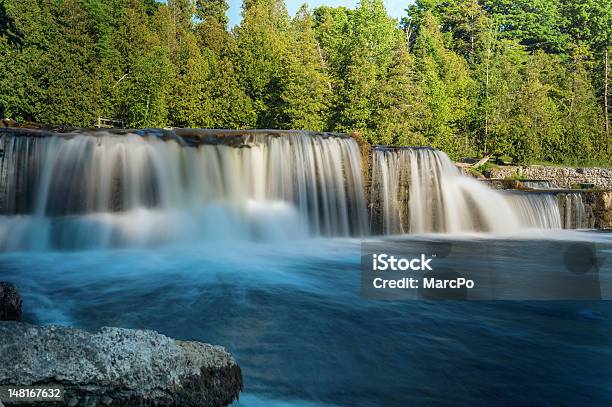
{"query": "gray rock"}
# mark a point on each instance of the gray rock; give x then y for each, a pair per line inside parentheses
(118, 367)
(10, 302)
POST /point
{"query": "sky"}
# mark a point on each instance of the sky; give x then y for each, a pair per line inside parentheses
(395, 8)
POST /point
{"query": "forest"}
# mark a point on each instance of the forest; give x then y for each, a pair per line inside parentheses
(526, 79)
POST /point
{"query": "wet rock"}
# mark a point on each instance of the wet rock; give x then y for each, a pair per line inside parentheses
(601, 206)
(118, 367)
(10, 302)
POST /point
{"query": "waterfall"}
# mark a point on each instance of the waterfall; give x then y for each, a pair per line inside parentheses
(419, 190)
(535, 210)
(97, 189)
(539, 184)
(574, 213)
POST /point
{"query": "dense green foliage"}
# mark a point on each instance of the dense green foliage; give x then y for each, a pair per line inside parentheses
(525, 79)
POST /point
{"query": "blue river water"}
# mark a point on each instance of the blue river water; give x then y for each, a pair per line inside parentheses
(293, 317)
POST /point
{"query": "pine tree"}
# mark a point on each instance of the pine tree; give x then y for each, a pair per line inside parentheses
(447, 85)
(261, 41)
(370, 51)
(305, 85)
(584, 137)
(398, 103)
(536, 24)
(142, 89)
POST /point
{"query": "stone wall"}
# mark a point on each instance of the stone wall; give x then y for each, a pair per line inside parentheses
(564, 177)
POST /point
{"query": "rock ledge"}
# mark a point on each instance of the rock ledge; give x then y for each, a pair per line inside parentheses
(118, 367)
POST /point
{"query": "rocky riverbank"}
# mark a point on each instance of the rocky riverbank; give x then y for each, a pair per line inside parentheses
(114, 366)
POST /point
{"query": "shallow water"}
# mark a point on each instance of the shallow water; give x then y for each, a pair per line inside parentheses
(292, 316)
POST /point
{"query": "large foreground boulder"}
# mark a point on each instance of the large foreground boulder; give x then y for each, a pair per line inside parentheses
(10, 302)
(117, 367)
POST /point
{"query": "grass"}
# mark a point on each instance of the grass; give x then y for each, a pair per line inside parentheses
(515, 177)
(479, 171)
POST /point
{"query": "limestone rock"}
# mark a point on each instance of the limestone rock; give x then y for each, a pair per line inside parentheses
(118, 367)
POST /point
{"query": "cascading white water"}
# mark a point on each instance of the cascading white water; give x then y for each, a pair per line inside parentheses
(535, 210)
(420, 190)
(573, 211)
(89, 191)
(539, 184)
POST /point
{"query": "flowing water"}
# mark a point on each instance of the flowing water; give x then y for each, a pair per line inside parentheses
(540, 184)
(252, 244)
(420, 190)
(113, 191)
(292, 315)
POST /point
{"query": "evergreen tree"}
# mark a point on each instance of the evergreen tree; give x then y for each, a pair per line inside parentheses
(590, 22)
(143, 87)
(261, 41)
(536, 24)
(370, 51)
(398, 103)
(212, 11)
(305, 85)
(8, 29)
(447, 86)
(583, 138)
(538, 114)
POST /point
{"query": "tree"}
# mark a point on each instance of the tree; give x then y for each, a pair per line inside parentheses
(305, 85)
(501, 73)
(448, 89)
(590, 21)
(261, 41)
(143, 87)
(8, 29)
(538, 113)
(536, 24)
(465, 20)
(212, 11)
(370, 51)
(584, 137)
(398, 103)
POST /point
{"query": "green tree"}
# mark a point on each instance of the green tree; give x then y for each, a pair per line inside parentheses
(398, 103)
(142, 89)
(448, 89)
(261, 41)
(8, 29)
(536, 24)
(305, 85)
(584, 139)
(538, 113)
(590, 21)
(465, 20)
(212, 11)
(231, 106)
(51, 79)
(370, 51)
